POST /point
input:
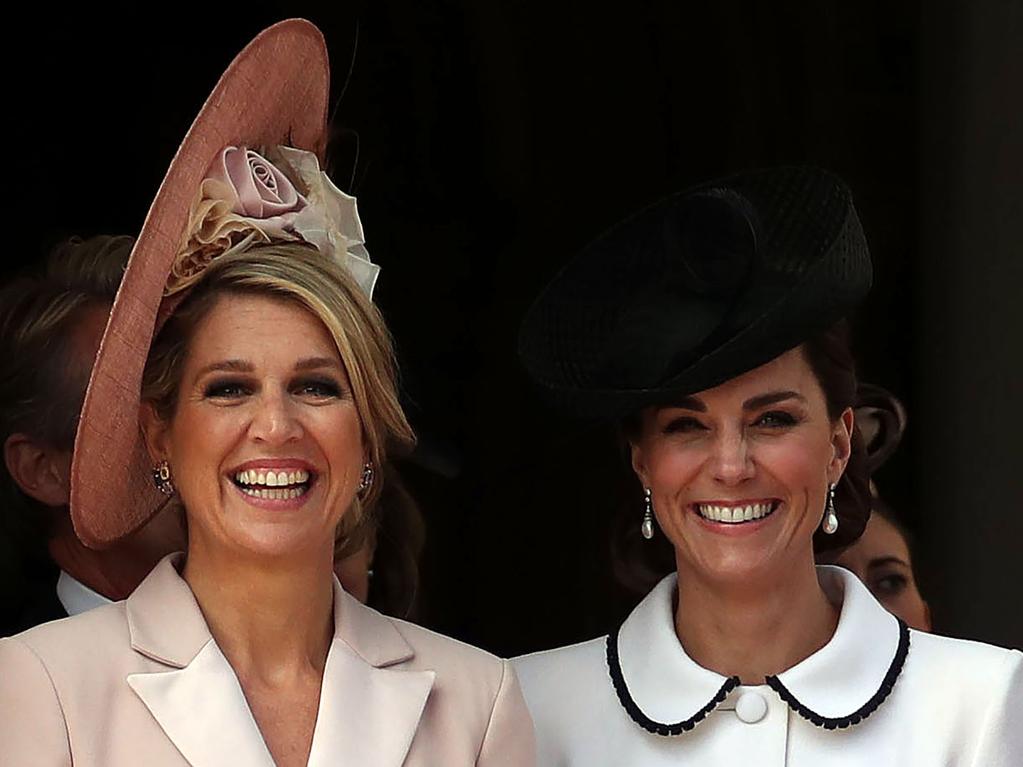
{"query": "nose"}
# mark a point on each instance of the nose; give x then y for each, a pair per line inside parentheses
(731, 463)
(275, 420)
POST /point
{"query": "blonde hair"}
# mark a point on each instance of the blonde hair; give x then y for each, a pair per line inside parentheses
(299, 274)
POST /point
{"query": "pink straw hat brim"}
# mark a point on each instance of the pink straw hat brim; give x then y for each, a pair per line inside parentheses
(274, 92)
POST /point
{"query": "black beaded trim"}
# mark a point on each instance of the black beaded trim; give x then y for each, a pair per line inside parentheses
(657, 728)
(868, 708)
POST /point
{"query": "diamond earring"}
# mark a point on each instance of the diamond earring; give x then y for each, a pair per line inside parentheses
(647, 528)
(162, 478)
(367, 477)
(830, 523)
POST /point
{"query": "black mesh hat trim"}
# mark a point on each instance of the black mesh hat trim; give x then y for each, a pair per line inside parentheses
(636, 713)
(868, 708)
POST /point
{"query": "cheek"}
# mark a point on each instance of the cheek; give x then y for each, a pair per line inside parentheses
(201, 441)
(800, 461)
(671, 466)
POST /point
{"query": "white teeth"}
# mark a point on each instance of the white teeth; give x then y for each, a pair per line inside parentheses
(734, 514)
(275, 493)
(272, 478)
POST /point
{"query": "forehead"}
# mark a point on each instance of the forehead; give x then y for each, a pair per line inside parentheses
(882, 539)
(787, 372)
(254, 327)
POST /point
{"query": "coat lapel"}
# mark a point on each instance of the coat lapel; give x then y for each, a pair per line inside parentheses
(369, 706)
(196, 699)
(203, 711)
(368, 716)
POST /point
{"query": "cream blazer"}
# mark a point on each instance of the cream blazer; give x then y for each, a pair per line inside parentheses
(142, 682)
(878, 694)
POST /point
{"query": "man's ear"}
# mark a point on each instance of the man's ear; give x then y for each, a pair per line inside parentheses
(155, 432)
(841, 442)
(40, 471)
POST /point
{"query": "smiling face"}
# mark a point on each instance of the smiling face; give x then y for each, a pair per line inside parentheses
(739, 473)
(265, 443)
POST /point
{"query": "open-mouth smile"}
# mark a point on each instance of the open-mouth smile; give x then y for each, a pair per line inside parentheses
(273, 483)
(736, 512)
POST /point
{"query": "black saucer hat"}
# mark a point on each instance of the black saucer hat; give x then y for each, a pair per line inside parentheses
(698, 288)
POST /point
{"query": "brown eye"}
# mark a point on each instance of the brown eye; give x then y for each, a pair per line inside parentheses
(890, 585)
(318, 388)
(225, 389)
(776, 419)
(682, 425)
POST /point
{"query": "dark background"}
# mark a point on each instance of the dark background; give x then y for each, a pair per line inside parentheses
(489, 139)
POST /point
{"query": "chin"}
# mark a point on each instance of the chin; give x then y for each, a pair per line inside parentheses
(729, 562)
(276, 538)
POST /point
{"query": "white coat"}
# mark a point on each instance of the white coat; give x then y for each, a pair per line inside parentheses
(876, 694)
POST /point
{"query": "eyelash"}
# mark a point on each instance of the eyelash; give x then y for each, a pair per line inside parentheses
(896, 585)
(225, 390)
(780, 419)
(325, 387)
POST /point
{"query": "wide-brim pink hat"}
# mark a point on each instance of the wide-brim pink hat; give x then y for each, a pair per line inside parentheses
(274, 92)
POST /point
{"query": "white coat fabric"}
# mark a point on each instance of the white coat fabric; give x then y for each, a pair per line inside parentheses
(876, 694)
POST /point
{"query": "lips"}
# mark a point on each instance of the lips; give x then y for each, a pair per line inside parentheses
(736, 512)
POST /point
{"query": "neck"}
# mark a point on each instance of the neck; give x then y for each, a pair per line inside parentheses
(113, 572)
(751, 633)
(272, 619)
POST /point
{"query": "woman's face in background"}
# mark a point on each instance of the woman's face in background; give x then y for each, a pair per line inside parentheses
(739, 473)
(265, 446)
(880, 558)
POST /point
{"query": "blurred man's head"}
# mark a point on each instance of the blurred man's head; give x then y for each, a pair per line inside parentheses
(51, 323)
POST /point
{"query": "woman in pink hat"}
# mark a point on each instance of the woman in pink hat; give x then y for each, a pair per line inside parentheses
(246, 375)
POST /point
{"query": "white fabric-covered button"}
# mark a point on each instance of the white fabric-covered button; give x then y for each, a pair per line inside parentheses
(751, 707)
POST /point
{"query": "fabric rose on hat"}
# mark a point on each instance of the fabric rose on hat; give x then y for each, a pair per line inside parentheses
(279, 195)
(243, 199)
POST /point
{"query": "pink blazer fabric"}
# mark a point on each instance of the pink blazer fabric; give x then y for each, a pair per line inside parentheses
(143, 682)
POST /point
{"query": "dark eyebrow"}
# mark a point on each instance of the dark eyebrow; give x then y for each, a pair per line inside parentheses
(882, 561)
(315, 363)
(688, 403)
(771, 398)
(234, 366)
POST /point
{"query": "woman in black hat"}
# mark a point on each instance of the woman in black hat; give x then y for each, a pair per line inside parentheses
(710, 327)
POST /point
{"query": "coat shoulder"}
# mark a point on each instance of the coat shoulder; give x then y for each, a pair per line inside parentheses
(93, 633)
(977, 661)
(564, 679)
(443, 653)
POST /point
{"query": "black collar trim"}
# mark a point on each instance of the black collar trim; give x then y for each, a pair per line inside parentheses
(828, 723)
(657, 728)
(868, 708)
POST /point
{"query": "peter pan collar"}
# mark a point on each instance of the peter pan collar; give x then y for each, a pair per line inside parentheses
(668, 693)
